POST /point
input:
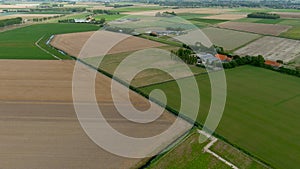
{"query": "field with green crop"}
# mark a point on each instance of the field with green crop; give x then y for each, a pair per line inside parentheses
(188, 154)
(20, 43)
(191, 15)
(293, 33)
(209, 21)
(229, 39)
(261, 113)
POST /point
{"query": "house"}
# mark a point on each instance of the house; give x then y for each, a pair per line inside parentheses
(273, 63)
(81, 21)
(223, 58)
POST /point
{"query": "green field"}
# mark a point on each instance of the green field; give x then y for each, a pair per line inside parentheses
(293, 33)
(229, 39)
(236, 157)
(261, 114)
(208, 21)
(20, 43)
(191, 15)
(188, 154)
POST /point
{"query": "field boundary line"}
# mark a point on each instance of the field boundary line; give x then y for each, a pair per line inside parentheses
(37, 44)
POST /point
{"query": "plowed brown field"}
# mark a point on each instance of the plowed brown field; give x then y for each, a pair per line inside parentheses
(39, 128)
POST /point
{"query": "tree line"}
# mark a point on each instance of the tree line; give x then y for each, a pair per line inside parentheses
(13, 21)
(263, 15)
(107, 12)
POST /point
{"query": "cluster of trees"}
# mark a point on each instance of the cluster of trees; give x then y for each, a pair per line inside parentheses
(13, 21)
(258, 61)
(165, 14)
(185, 55)
(263, 15)
(107, 12)
(120, 30)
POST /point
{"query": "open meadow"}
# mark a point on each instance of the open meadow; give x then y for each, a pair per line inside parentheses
(261, 113)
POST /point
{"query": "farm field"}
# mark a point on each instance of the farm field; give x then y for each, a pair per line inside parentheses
(209, 21)
(27, 16)
(289, 14)
(261, 107)
(229, 39)
(181, 10)
(293, 33)
(235, 156)
(39, 127)
(20, 43)
(259, 28)
(272, 48)
(146, 77)
(226, 16)
(189, 154)
(73, 43)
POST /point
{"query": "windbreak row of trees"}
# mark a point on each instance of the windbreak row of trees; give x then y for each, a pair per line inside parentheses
(107, 12)
(263, 15)
(13, 21)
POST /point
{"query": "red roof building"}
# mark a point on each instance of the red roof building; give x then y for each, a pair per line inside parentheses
(272, 63)
(223, 58)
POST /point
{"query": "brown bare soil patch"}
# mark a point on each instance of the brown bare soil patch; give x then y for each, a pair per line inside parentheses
(266, 29)
(288, 14)
(73, 43)
(39, 128)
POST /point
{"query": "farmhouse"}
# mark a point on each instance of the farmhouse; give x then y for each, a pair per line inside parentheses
(273, 63)
(223, 58)
(81, 21)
